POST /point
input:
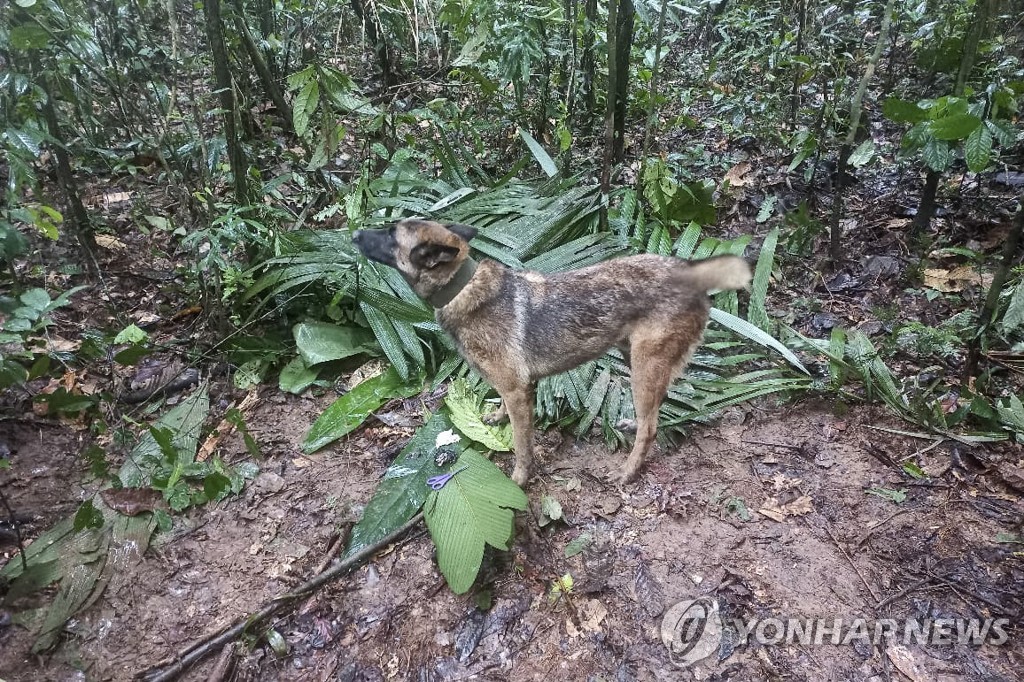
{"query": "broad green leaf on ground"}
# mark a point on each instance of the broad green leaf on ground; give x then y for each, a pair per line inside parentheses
(184, 422)
(296, 377)
(403, 489)
(350, 410)
(323, 342)
(463, 406)
(474, 509)
(863, 154)
(1012, 416)
(1014, 316)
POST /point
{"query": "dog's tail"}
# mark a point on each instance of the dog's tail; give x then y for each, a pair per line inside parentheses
(719, 273)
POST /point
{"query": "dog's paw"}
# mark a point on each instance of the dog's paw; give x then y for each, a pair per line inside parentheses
(496, 417)
(627, 474)
(520, 476)
(626, 425)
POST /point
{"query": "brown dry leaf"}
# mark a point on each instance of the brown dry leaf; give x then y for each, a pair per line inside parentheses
(591, 614)
(898, 223)
(225, 427)
(955, 279)
(778, 512)
(114, 198)
(781, 482)
(1012, 475)
(368, 371)
(106, 241)
(133, 501)
(736, 174)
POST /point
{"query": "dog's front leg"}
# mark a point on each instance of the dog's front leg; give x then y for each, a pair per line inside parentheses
(497, 416)
(518, 403)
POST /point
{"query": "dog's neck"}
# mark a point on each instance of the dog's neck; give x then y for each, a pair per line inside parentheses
(456, 284)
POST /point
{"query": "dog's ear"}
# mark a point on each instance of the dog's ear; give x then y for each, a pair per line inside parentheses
(464, 231)
(431, 254)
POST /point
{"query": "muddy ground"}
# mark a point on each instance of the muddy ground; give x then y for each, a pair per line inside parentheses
(766, 511)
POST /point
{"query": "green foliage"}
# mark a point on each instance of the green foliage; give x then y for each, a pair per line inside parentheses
(27, 317)
(350, 410)
(940, 126)
(473, 510)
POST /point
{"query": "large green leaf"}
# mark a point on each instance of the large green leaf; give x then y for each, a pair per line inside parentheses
(462, 405)
(1014, 316)
(758, 313)
(350, 410)
(403, 489)
(547, 164)
(744, 328)
(323, 342)
(955, 127)
(474, 509)
(304, 105)
(937, 154)
(184, 422)
(978, 149)
(902, 111)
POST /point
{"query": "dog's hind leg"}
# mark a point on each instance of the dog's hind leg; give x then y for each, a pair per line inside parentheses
(658, 354)
(517, 401)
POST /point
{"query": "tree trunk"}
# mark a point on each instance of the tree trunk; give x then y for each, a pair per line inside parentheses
(267, 79)
(588, 64)
(81, 224)
(988, 310)
(794, 95)
(226, 93)
(856, 107)
(626, 15)
(375, 34)
(653, 95)
(926, 208)
(609, 115)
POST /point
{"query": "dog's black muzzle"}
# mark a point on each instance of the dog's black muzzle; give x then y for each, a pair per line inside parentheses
(378, 245)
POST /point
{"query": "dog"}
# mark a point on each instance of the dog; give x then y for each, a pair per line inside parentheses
(515, 327)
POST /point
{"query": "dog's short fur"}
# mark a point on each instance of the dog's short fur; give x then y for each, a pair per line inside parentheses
(515, 327)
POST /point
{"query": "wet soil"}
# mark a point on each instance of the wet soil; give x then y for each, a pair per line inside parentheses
(766, 511)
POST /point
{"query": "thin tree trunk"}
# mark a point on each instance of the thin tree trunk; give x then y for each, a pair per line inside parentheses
(988, 310)
(794, 95)
(653, 96)
(226, 93)
(588, 63)
(626, 15)
(856, 108)
(81, 224)
(374, 33)
(926, 209)
(609, 116)
(267, 79)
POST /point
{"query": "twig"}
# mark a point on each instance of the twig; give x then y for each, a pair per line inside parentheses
(844, 553)
(871, 530)
(902, 593)
(797, 448)
(169, 669)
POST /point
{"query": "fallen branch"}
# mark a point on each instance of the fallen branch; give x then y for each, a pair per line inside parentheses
(169, 669)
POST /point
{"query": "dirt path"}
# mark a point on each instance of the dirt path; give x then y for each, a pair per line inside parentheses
(692, 526)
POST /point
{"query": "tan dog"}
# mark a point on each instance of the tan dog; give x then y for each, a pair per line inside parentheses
(515, 327)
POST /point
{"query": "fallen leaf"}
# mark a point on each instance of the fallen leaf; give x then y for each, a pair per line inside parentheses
(907, 664)
(736, 174)
(133, 501)
(778, 512)
(250, 401)
(956, 279)
(107, 241)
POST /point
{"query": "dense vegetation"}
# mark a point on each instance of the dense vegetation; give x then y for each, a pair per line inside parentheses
(867, 156)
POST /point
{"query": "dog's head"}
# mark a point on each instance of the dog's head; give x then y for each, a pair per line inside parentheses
(428, 254)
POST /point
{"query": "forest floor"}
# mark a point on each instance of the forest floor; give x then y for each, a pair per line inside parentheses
(767, 512)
